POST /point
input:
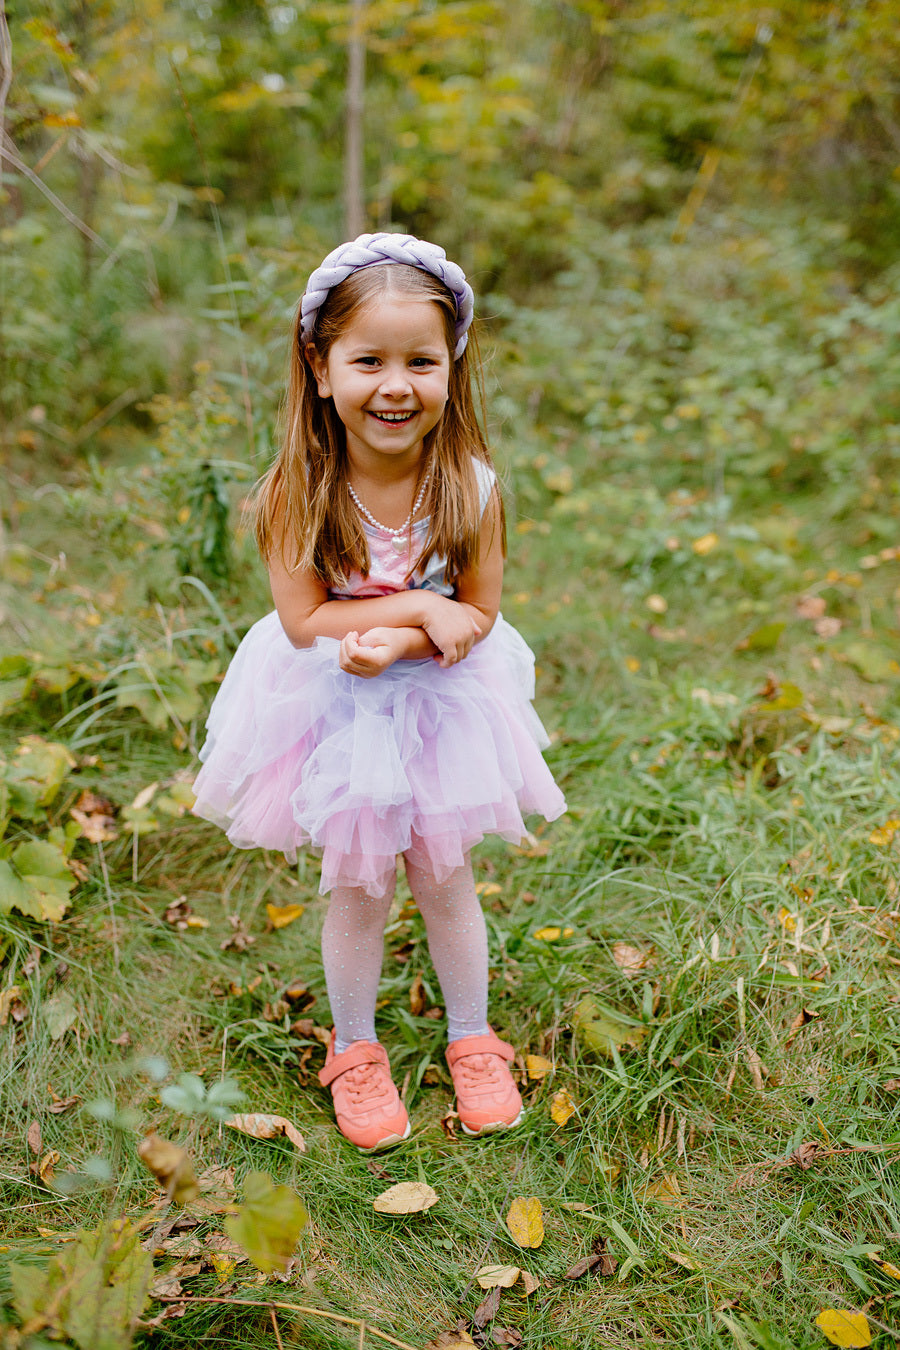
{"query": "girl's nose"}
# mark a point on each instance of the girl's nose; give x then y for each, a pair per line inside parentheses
(395, 382)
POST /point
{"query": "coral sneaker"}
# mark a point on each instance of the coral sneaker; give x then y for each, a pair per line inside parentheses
(367, 1104)
(487, 1099)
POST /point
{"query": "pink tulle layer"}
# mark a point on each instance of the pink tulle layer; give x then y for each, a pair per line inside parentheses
(419, 760)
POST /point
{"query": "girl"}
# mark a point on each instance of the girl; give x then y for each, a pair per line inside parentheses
(383, 708)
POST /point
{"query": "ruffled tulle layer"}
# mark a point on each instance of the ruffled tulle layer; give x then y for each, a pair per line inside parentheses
(419, 760)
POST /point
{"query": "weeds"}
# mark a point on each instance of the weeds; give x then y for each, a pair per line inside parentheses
(704, 948)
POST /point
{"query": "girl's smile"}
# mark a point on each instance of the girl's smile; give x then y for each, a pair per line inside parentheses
(388, 375)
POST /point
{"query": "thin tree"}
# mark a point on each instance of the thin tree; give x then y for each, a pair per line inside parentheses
(354, 204)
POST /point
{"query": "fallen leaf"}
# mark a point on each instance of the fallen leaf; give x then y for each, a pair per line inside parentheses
(530, 1283)
(224, 1266)
(407, 1197)
(8, 999)
(809, 607)
(171, 1166)
(886, 1266)
(630, 960)
(33, 1136)
(144, 797)
(60, 1013)
(804, 1156)
(507, 1336)
(883, 834)
(828, 626)
(44, 1169)
(167, 1286)
(489, 1277)
(844, 1328)
(804, 1016)
(602, 1032)
(552, 933)
(705, 544)
(262, 1126)
(682, 1259)
(418, 1000)
(97, 817)
(450, 1340)
(487, 1308)
(525, 1221)
(281, 915)
(537, 1067)
(762, 639)
(268, 1223)
(60, 1104)
(562, 1108)
(665, 1190)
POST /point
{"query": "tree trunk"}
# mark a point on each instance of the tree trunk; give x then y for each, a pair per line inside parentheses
(354, 203)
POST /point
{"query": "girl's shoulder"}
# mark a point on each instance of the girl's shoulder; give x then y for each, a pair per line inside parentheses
(485, 478)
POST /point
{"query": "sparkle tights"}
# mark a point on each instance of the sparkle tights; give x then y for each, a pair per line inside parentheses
(353, 952)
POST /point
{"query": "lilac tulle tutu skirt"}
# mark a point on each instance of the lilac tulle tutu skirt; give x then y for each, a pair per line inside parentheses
(418, 760)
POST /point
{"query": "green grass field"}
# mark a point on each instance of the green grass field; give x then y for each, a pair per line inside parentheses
(704, 555)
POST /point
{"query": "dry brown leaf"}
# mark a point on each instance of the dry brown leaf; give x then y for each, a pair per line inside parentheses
(8, 999)
(537, 1067)
(450, 1340)
(33, 1136)
(487, 1308)
(507, 1336)
(804, 1016)
(44, 1169)
(665, 1190)
(597, 1259)
(217, 1181)
(490, 1277)
(630, 960)
(166, 1286)
(281, 915)
(60, 1104)
(97, 817)
(144, 797)
(222, 1245)
(239, 940)
(525, 1221)
(262, 1126)
(562, 1108)
(530, 1283)
(407, 1197)
(171, 1166)
(418, 1001)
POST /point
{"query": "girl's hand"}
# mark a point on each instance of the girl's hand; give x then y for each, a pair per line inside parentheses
(374, 652)
(452, 630)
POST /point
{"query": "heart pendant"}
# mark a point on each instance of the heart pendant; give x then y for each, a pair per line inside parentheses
(399, 545)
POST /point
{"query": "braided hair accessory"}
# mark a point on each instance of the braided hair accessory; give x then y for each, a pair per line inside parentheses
(371, 250)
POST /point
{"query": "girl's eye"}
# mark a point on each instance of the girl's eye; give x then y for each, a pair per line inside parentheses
(367, 361)
(421, 362)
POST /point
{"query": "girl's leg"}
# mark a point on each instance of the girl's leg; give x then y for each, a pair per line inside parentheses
(457, 940)
(352, 956)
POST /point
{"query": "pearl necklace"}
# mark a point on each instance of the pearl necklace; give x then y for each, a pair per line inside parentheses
(397, 541)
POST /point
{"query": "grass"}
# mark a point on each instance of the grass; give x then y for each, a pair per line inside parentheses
(730, 789)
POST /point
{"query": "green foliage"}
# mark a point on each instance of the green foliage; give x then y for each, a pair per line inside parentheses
(35, 876)
(92, 1293)
(269, 1222)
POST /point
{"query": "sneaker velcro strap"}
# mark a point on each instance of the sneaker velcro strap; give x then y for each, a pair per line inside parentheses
(363, 1052)
(479, 1045)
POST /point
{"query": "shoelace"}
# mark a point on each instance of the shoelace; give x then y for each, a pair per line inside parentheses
(481, 1070)
(363, 1085)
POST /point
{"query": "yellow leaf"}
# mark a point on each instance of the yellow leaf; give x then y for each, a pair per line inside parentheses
(883, 835)
(450, 1340)
(632, 664)
(171, 1166)
(664, 1190)
(407, 1197)
(787, 920)
(222, 1265)
(705, 544)
(537, 1066)
(487, 888)
(281, 915)
(552, 934)
(492, 1277)
(525, 1221)
(262, 1126)
(562, 1108)
(144, 797)
(844, 1328)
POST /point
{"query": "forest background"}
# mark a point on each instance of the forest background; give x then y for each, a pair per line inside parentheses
(681, 221)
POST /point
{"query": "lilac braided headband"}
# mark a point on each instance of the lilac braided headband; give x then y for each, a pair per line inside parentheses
(370, 250)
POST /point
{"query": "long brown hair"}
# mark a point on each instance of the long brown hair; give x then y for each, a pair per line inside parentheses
(302, 505)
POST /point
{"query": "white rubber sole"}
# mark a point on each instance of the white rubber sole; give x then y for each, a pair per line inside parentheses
(389, 1142)
(495, 1127)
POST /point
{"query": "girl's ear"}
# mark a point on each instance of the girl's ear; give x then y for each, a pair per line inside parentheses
(319, 369)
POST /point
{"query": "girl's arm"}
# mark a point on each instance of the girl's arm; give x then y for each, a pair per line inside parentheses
(478, 590)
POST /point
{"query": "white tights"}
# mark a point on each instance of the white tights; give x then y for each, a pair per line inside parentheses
(353, 952)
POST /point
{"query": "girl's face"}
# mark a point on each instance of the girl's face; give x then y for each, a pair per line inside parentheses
(388, 374)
